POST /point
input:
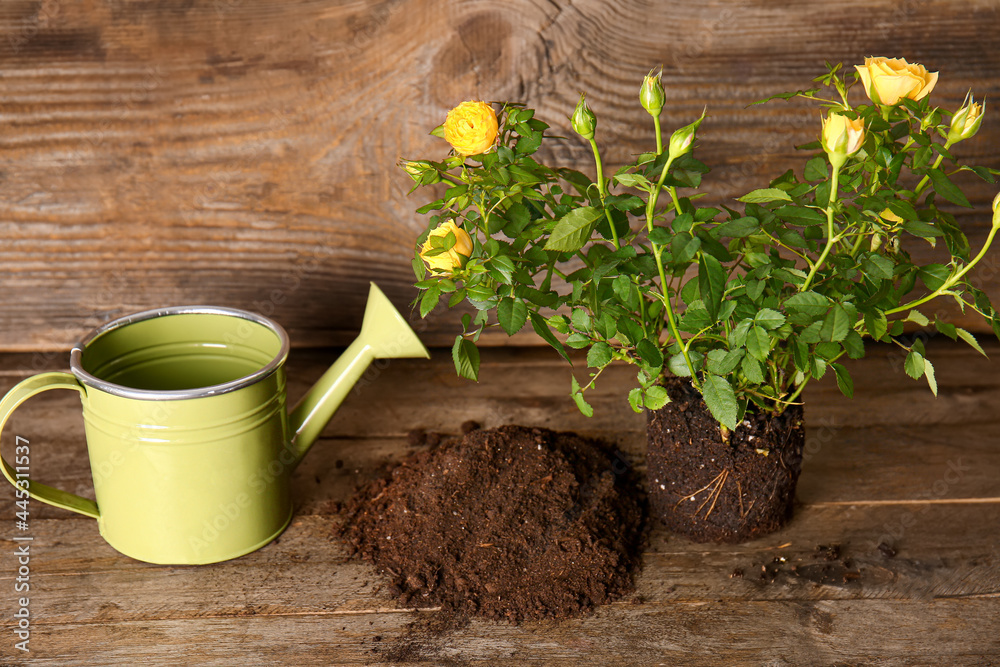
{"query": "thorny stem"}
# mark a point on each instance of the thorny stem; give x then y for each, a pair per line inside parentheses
(923, 182)
(950, 281)
(830, 240)
(671, 318)
(603, 192)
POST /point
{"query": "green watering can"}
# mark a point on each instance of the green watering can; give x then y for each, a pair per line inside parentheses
(190, 442)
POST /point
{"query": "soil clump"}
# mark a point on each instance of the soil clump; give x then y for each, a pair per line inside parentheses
(510, 523)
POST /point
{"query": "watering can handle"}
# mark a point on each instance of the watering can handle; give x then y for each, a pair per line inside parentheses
(21, 392)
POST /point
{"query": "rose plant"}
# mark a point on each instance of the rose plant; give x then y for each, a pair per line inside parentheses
(750, 300)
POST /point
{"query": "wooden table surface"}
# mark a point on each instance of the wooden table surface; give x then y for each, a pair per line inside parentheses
(894, 465)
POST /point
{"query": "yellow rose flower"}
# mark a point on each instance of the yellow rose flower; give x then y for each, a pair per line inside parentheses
(446, 262)
(471, 128)
(842, 137)
(888, 80)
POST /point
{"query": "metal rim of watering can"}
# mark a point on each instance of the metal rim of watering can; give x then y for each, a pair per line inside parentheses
(76, 361)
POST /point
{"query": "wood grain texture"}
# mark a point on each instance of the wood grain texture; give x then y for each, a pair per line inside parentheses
(895, 465)
(241, 152)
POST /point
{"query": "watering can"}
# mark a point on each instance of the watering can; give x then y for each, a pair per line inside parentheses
(191, 445)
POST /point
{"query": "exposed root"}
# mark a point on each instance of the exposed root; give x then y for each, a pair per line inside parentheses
(739, 494)
(714, 489)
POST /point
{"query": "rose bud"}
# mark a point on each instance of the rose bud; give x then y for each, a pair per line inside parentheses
(966, 121)
(841, 138)
(651, 94)
(583, 119)
(420, 171)
(681, 140)
(441, 260)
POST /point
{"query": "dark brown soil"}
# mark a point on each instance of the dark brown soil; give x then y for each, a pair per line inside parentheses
(715, 490)
(509, 524)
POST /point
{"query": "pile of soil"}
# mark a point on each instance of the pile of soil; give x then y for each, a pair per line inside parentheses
(510, 523)
(712, 489)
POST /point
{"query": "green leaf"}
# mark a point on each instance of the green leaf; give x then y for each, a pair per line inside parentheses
(816, 169)
(722, 362)
(914, 364)
(599, 355)
(577, 395)
(738, 228)
(528, 144)
(854, 345)
(695, 317)
(970, 339)
(559, 323)
(683, 223)
(711, 283)
(944, 187)
(876, 324)
(573, 230)
(502, 268)
(706, 214)
(656, 397)
(684, 249)
(844, 381)
(946, 328)
(801, 215)
(922, 229)
(635, 399)
(752, 369)
(721, 400)
(758, 343)
(800, 354)
(542, 329)
(878, 266)
(625, 291)
(606, 325)
(929, 374)
(649, 353)
(517, 217)
(465, 354)
(764, 196)
(809, 303)
(634, 181)
(769, 319)
(624, 202)
(677, 365)
(512, 314)
(581, 319)
(660, 236)
(917, 317)
(835, 325)
(933, 275)
(429, 299)
(738, 336)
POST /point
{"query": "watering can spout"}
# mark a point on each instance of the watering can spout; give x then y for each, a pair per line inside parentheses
(384, 335)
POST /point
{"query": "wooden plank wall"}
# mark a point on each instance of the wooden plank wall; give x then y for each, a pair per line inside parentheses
(241, 152)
